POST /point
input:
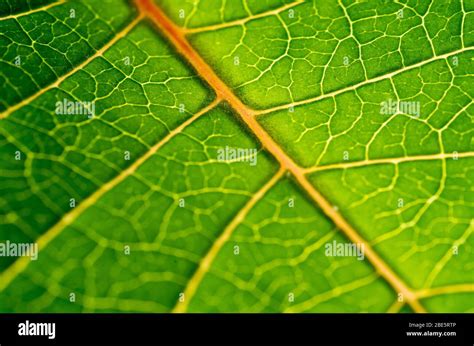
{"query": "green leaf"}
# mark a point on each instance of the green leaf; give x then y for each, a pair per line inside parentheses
(249, 156)
(11, 7)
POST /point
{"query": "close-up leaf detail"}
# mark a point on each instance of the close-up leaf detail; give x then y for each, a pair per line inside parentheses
(356, 123)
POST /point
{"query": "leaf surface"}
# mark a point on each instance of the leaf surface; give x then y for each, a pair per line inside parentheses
(132, 207)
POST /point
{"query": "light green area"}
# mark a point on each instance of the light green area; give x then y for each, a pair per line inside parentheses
(201, 13)
(451, 302)
(436, 116)
(325, 45)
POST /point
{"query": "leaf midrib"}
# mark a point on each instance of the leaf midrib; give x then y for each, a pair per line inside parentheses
(177, 38)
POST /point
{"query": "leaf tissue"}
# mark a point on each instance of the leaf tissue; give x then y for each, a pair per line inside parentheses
(236, 156)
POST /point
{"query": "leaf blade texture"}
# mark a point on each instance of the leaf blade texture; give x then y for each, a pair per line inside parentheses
(357, 118)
